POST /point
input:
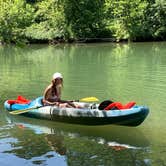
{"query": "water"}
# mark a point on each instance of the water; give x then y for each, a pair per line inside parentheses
(121, 72)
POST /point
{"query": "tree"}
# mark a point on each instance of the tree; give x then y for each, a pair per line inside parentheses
(49, 21)
(155, 19)
(15, 16)
(84, 18)
(125, 18)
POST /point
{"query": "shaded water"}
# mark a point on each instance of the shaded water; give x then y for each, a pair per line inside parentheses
(122, 72)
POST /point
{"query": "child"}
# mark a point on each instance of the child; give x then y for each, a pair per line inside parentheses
(52, 94)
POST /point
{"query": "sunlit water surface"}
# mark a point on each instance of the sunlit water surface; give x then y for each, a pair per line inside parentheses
(121, 72)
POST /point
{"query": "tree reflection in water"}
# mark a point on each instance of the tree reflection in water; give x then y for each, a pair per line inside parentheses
(56, 143)
(41, 142)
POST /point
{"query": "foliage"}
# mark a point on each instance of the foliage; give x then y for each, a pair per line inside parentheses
(125, 17)
(84, 18)
(15, 16)
(51, 20)
(155, 17)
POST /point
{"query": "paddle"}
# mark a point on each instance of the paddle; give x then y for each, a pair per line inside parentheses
(89, 99)
(16, 112)
(86, 99)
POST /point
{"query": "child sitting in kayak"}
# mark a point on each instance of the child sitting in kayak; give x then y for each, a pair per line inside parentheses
(52, 94)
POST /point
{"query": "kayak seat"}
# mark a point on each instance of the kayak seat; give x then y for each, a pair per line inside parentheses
(118, 105)
(129, 105)
(104, 104)
(19, 100)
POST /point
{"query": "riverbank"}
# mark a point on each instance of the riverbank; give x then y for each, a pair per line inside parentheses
(82, 40)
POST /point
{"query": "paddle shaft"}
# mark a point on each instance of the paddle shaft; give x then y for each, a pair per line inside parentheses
(16, 112)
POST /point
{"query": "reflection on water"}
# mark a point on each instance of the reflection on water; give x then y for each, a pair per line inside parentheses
(38, 141)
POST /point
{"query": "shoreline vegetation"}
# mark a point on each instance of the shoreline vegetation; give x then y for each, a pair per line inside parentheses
(83, 21)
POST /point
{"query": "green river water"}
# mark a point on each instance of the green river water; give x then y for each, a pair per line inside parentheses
(121, 72)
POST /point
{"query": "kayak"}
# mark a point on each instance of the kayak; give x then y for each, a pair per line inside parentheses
(89, 114)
